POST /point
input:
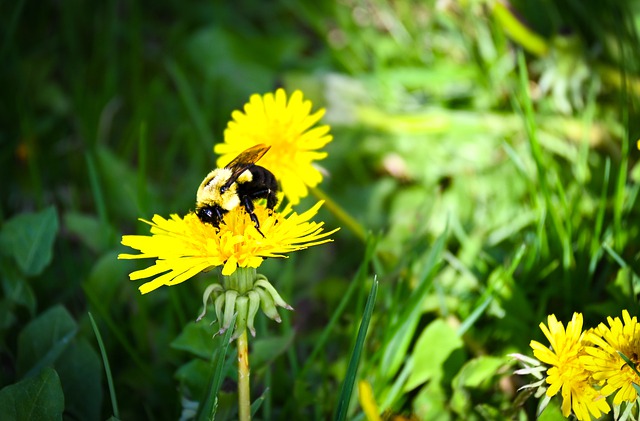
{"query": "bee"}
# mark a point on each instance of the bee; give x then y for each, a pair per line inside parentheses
(241, 182)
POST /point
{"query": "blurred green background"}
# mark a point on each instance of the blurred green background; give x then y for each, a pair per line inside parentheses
(487, 151)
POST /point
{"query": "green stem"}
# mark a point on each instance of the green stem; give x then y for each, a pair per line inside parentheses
(244, 399)
(341, 214)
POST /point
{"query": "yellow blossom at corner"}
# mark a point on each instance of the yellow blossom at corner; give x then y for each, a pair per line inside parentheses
(368, 401)
(286, 126)
(184, 247)
(605, 362)
(567, 373)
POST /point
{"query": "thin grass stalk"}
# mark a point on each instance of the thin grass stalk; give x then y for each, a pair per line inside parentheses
(107, 367)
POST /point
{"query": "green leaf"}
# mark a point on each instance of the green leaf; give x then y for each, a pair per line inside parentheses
(472, 375)
(434, 346)
(196, 338)
(194, 376)
(28, 238)
(476, 371)
(118, 181)
(7, 315)
(430, 403)
(403, 330)
(16, 288)
(92, 232)
(80, 373)
(268, 349)
(101, 279)
(37, 398)
(44, 339)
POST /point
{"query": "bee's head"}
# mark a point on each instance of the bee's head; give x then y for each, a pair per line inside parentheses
(214, 191)
(211, 214)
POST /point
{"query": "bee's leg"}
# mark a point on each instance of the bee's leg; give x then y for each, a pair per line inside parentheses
(248, 205)
(272, 199)
(269, 194)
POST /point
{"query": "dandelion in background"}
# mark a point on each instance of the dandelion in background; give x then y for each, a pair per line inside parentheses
(605, 358)
(567, 373)
(288, 127)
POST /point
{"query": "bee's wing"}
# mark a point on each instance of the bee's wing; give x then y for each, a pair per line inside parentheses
(245, 160)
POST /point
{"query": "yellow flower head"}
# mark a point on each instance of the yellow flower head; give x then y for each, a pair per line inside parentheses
(286, 126)
(186, 246)
(605, 362)
(567, 373)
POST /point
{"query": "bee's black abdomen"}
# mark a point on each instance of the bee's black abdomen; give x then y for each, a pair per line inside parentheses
(263, 185)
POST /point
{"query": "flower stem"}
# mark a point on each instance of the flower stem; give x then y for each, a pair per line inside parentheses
(244, 399)
(341, 214)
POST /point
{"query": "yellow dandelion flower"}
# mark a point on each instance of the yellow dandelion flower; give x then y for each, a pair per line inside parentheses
(605, 362)
(186, 246)
(286, 126)
(567, 374)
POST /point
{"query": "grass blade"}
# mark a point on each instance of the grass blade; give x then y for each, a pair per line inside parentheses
(96, 188)
(371, 247)
(350, 379)
(191, 103)
(210, 403)
(107, 368)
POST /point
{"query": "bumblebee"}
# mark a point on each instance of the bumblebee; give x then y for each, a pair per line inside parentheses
(241, 182)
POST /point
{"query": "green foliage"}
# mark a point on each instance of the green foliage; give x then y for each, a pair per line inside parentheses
(354, 361)
(492, 186)
(36, 398)
(49, 351)
(28, 238)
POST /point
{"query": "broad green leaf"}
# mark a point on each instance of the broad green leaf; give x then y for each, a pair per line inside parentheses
(34, 399)
(194, 375)
(118, 181)
(103, 273)
(434, 346)
(265, 350)
(17, 290)
(44, 339)
(93, 234)
(430, 403)
(28, 238)
(478, 370)
(472, 375)
(7, 315)
(197, 338)
(80, 373)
